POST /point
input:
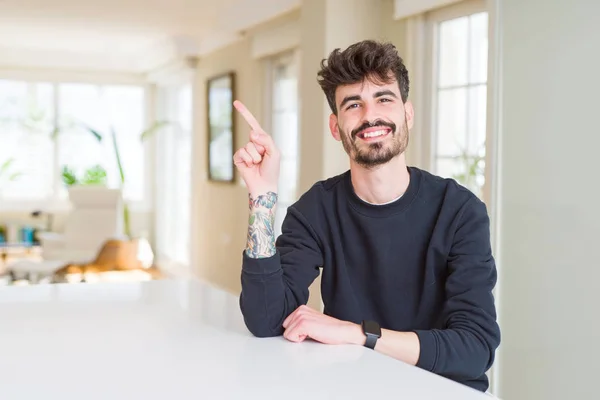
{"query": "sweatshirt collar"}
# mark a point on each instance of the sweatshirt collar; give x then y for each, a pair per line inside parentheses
(388, 209)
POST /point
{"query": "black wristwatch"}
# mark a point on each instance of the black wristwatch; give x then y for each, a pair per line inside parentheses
(373, 332)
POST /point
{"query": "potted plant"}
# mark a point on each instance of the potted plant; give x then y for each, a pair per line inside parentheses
(94, 176)
(149, 132)
(474, 169)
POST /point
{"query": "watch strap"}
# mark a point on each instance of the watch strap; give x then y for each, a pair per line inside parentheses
(371, 341)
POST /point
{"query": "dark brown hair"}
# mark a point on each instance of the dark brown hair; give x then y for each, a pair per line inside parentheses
(378, 62)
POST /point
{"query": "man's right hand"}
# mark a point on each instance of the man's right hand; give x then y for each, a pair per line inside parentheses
(258, 161)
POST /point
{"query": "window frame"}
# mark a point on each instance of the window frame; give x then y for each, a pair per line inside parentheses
(54, 203)
(430, 84)
(166, 100)
(291, 56)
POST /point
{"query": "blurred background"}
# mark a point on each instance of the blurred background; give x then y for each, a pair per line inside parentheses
(117, 132)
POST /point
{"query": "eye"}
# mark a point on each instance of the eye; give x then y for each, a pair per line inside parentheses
(352, 106)
(386, 100)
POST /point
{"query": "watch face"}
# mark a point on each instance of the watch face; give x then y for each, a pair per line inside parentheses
(372, 328)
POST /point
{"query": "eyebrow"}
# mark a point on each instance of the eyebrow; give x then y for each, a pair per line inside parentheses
(386, 92)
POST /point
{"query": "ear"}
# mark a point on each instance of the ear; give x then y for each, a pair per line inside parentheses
(409, 111)
(333, 127)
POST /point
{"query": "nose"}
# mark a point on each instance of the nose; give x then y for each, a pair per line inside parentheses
(370, 113)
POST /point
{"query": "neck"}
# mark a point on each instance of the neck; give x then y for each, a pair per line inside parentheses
(380, 184)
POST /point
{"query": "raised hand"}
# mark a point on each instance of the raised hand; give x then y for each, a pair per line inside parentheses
(258, 161)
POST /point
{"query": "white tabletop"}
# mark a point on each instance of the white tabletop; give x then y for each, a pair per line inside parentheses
(179, 340)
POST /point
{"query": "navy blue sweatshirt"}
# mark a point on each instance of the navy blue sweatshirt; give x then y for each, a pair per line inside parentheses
(422, 263)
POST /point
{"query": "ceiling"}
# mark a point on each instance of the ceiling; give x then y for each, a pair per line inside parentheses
(122, 35)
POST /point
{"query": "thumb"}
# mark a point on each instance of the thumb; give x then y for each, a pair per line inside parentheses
(259, 147)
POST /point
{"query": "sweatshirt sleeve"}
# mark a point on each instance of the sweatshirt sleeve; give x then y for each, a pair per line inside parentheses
(273, 287)
(464, 349)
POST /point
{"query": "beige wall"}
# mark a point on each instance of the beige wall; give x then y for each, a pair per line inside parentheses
(220, 210)
(550, 218)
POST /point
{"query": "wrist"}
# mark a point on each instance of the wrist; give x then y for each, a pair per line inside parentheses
(262, 200)
(262, 191)
(355, 334)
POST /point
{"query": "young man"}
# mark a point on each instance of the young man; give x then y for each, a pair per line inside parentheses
(405, 256)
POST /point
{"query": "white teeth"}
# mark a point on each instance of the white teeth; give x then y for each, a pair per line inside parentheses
(375, 133)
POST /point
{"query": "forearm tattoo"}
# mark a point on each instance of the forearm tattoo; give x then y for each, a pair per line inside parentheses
(261, 235)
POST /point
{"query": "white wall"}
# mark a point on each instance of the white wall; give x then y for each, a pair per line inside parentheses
(550, 200)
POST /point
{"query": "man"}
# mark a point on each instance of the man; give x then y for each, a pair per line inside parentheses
(405, 256)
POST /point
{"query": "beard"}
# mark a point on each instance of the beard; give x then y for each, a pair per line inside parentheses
(371, 155)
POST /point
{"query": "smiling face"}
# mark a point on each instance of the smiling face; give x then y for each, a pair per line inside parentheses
(372, 122)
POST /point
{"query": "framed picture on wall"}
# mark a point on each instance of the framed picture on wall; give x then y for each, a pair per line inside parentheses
(221, 128)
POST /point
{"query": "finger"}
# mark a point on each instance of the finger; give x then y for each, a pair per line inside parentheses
(247, 115)
(290, 318)
(242, 156)
(298, 330)
(251, 149)
(297, 312)
(295, 337)
(260, 148)
(302, 310)
(263, 140)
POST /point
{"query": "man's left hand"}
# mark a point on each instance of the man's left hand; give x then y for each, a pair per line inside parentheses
(305, 322)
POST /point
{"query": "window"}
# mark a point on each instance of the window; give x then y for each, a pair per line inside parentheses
(41, 132)
(283, 83)
(103, 108)
(27, 114)
(174, 162)
(459, 43)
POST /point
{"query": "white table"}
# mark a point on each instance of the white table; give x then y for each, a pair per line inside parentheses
(179, 340)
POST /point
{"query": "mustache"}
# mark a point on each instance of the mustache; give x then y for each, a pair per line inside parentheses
(372, 124)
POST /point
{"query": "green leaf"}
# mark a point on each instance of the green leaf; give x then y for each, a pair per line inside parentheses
(117, 154)
(14, 176)
(252, 219)
(155, 127)
(6, 165)
(94, 132)
(95, 175)
(68, 176)
(126, 224)
(54, 133)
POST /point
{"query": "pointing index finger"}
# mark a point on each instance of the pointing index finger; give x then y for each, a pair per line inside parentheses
(247, 115)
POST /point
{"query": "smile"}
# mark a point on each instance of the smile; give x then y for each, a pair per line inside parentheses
(373, 133)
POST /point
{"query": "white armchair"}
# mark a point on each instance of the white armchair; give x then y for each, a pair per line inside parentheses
(95, 217)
